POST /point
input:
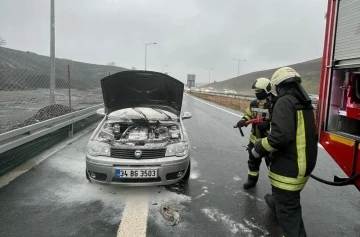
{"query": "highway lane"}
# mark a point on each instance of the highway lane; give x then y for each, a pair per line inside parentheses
(327, 210)
(55, 199)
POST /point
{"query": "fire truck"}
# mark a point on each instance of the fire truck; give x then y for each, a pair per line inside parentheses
(338, 107)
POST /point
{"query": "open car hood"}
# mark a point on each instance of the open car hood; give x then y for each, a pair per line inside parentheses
(129, 89)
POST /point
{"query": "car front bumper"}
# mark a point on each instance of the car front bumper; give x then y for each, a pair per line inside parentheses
(167, 168)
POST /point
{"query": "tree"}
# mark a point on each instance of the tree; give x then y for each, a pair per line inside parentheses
(133, 68)
(2, 41)
(111, 64)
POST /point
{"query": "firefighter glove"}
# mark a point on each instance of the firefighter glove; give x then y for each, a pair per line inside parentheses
(241, 123)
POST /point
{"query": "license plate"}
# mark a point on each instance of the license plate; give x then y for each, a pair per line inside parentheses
(146, 173)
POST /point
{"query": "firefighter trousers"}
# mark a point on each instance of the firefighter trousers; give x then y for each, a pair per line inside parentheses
(287, 208)
(254, 165)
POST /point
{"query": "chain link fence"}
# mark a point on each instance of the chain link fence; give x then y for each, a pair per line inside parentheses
(34, 88)
(25, 87)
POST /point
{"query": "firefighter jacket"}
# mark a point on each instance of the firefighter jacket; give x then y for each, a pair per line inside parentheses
(291, 141)
(258, 108)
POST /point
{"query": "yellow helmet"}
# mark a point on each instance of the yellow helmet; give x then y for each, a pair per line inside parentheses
(285, 75)
(262, 83)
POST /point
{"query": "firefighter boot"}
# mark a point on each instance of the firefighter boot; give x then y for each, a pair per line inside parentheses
(269, 199)
(251, 182)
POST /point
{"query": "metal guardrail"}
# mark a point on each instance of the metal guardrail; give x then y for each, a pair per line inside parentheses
(17, 137)
(239, 96)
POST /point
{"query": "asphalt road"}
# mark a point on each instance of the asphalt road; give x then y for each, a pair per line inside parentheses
(55, 199)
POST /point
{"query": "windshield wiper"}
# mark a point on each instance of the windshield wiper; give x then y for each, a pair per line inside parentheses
(139, 111)
(162, 112)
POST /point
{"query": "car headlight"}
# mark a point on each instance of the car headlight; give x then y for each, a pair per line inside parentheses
(95, 148)
(104, 136)
(177, 149)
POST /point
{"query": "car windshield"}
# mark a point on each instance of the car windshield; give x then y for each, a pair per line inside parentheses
(143, 113)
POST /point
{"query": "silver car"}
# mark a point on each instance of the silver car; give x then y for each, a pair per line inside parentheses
(141, 140)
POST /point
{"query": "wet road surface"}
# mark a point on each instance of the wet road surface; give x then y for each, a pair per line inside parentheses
(55, 199)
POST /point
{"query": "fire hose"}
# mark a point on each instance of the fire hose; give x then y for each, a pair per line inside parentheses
(337, 181)
(340, 182)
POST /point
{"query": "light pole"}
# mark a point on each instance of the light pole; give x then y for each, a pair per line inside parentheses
(239, 60)
(52, 53)
(209, 72)
(145, 52)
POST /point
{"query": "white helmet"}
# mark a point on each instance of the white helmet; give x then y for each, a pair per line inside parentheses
(262, 88)
(262, 83)
(285, 75)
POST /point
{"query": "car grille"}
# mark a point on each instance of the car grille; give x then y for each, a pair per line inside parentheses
(130, 153)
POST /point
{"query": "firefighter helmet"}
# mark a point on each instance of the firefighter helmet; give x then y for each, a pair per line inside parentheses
(262, 88)
(262, 84)
(285, 75)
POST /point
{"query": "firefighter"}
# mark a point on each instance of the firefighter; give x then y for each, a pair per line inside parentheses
(293, 146)
(258, 107)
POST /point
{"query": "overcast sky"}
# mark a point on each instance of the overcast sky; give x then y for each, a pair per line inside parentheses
(191, 35)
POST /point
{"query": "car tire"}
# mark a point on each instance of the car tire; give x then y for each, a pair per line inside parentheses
(187, 174)
(87, 175)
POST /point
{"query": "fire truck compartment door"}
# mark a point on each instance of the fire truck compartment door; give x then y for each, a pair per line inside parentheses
(347, 35)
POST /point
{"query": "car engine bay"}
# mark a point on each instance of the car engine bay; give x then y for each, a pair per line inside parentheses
(139, 134)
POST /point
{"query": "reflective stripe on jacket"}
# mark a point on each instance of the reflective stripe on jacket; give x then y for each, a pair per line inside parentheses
(257, 109)
(292, 142)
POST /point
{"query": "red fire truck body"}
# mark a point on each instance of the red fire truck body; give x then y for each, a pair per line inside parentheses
(338, 107)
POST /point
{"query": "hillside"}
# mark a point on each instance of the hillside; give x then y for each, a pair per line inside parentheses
(309, 71)
(21, 70)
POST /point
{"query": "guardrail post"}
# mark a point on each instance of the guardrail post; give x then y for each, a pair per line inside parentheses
(71, 130)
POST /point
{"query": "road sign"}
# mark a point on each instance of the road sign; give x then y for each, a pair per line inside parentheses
(190, 80)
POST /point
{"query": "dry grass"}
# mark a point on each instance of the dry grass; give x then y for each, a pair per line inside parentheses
(233, 103)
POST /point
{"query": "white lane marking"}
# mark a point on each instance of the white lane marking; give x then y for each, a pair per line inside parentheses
(23, 168)
(238, 115)
(227, 111)
(135, 215)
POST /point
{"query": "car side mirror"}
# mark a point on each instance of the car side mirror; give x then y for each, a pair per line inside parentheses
(101, 111)
(186, 115)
